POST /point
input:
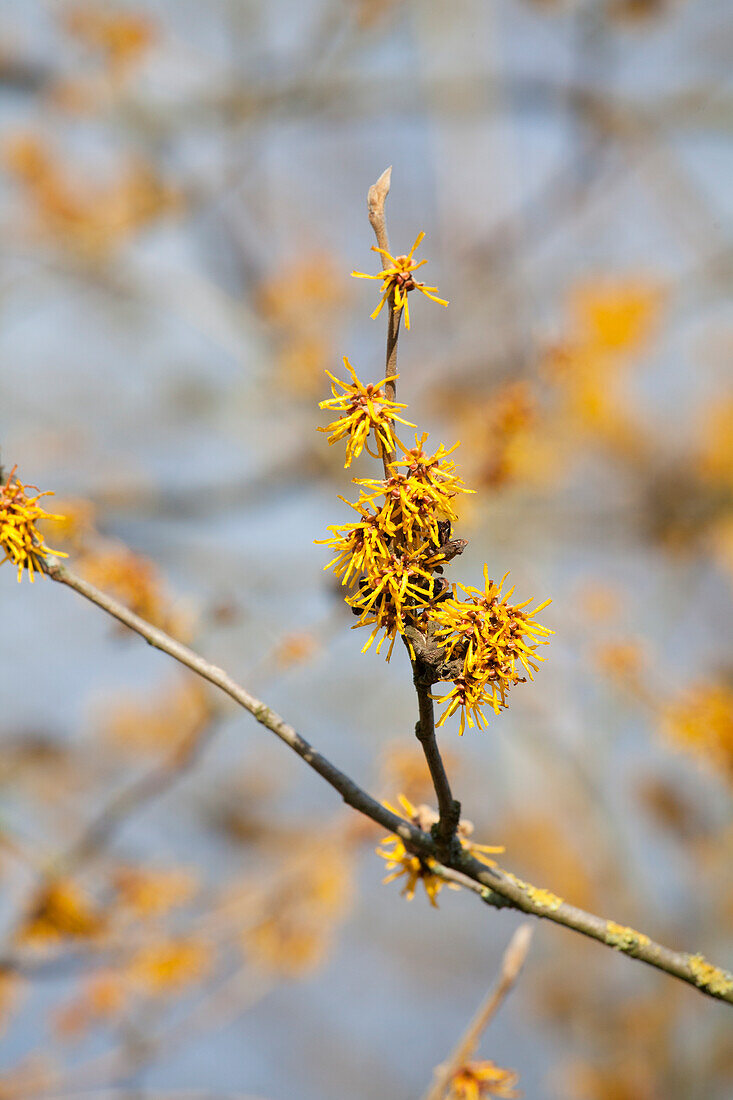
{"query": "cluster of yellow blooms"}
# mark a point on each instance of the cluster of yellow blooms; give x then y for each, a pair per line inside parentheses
(397, 545)
(20, 539)
(392, 557)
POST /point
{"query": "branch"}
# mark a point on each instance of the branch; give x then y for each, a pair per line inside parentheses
(231, 999)
(538, 902)
(511, 967)
(448, 808)
(496, 887)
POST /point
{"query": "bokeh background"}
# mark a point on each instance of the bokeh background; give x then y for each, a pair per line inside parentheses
(184, 908)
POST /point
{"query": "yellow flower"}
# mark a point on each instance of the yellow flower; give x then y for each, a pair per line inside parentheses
(135, 582)
(152, 893)
(169, 965)
(60, 910)
(481, 852)
(171, 717)
(393, 552)
(615, 315)
(300, 912)
(397, 280)
(475, 1080)
(359, 547)
(700, 720)
(365, 409)
(75, 526)
(495, 640)
(402, 863)
(121, 37)
(20, 539)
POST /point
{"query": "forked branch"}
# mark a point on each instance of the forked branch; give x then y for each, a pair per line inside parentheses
(495, 886)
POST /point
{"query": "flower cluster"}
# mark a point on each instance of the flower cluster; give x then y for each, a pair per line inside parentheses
(20, 539)
(496, 642)
(397, 280)
(400, 862)
(391, 557)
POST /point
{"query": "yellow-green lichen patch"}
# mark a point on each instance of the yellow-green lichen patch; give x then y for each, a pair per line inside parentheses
(710, 977)
(545, 899)
(623, 938)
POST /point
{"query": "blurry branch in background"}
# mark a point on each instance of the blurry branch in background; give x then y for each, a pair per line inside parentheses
(497, 887)
(226, 1003)
(511, 967)
(360, 97)
(151, 785)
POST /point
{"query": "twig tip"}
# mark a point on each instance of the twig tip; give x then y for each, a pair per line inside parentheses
(516, 952)
(378, 193)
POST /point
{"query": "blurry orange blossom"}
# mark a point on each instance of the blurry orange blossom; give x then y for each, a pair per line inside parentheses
(170, 718)
(169, 965)
(60, 910)
(700, 720)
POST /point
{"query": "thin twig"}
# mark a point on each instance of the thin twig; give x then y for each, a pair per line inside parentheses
(376, 198)
(232, 998)
(511, 966)
(499, 887)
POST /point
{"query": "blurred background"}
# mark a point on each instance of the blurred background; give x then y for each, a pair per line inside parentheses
(184, 908)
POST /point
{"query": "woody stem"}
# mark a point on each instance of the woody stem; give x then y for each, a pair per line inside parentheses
(448, 808)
